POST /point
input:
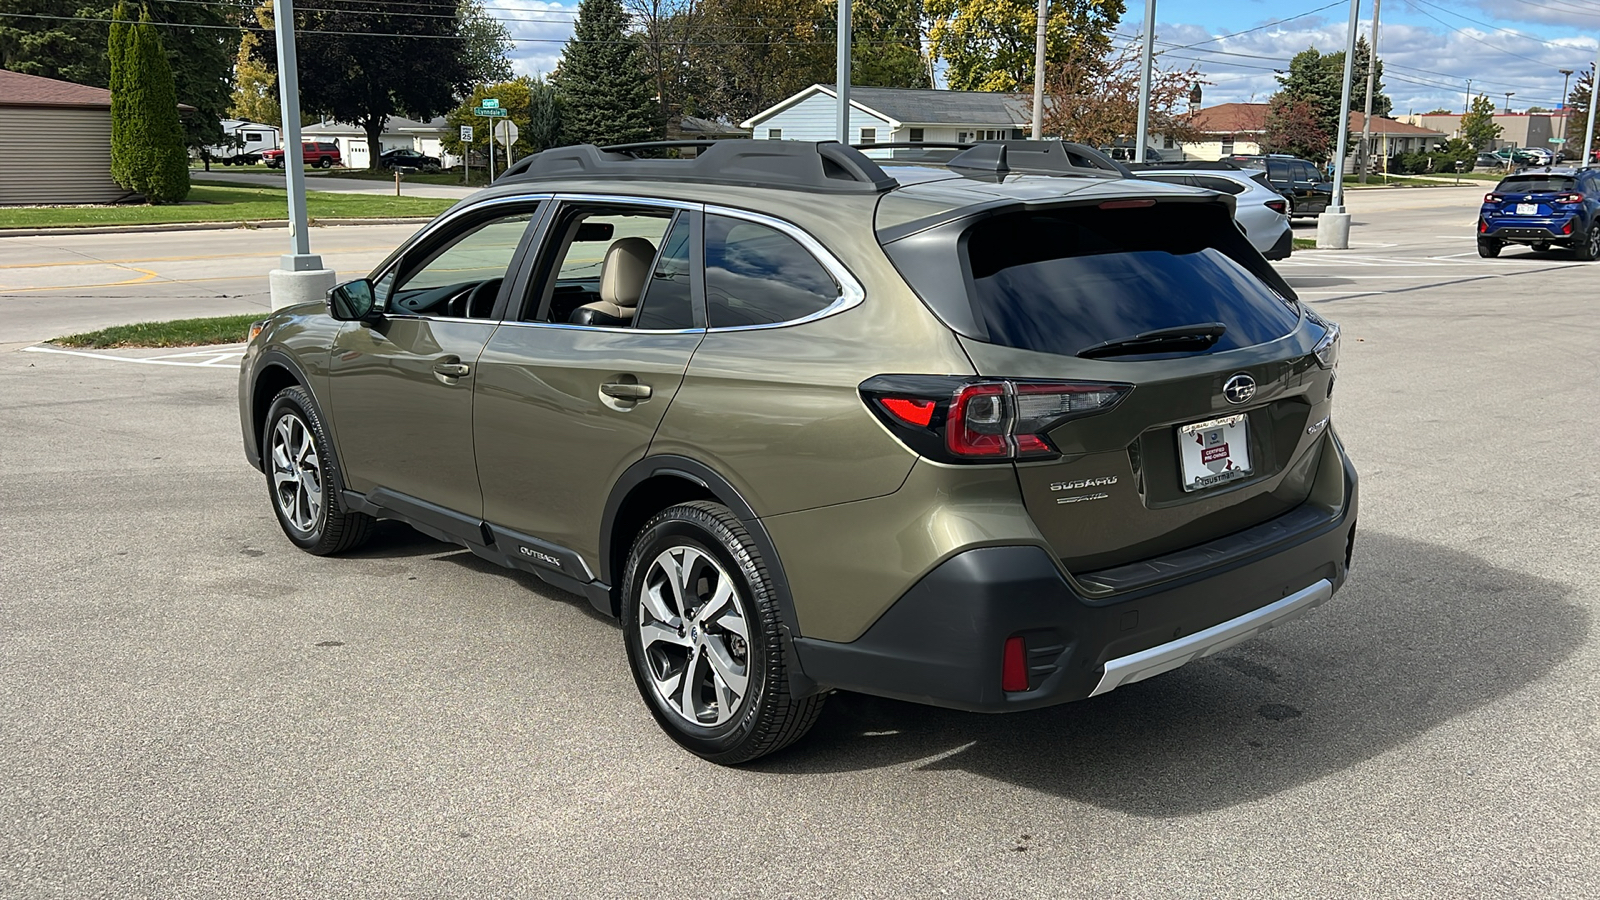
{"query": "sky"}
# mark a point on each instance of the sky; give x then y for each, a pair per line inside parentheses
(1429, 47)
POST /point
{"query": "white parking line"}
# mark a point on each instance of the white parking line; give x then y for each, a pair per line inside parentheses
(218, 357)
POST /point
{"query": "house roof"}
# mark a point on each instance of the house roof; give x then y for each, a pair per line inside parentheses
(17, 89)
(912, 106)
(1251, 118)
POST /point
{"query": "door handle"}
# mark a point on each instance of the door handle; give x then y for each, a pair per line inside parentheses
(452, 370)
(622, 391)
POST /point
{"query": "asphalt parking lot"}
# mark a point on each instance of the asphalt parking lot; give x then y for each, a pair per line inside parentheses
(193, 708)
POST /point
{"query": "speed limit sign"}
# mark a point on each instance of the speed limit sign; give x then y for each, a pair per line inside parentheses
(466, 134)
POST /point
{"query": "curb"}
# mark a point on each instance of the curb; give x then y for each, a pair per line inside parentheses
(203, 226)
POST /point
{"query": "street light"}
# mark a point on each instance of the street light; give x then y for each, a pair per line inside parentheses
(1333, 226)
(300, 277)
(1566, 74)
(1509, 95)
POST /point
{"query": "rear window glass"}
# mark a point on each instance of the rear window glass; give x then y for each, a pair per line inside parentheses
(1062, 281)
(1538, 184)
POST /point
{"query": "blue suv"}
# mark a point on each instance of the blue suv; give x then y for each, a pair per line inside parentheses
(1543, 208)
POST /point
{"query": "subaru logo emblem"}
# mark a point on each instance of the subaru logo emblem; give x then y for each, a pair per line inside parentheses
(1239, 389)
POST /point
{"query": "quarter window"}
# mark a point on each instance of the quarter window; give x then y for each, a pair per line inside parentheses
(756, 275)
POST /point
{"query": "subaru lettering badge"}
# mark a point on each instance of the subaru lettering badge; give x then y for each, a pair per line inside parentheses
(1239, 389)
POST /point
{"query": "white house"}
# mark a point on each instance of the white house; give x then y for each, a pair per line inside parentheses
(896, 115)
(424, 137)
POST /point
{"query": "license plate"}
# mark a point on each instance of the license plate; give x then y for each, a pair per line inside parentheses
(1527, 209)
(1215, 452)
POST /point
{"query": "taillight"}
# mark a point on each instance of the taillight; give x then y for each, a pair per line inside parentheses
(1483, 225)
(965, 419)
(1493, 198)
(1567, 228)
(1014, 665)
(1278, 206)
(1570, 198)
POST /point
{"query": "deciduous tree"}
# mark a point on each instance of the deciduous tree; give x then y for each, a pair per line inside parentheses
(1095, 101)
(363, 61)
(1295, 127)
(1578, 123)
(1477, 126)
(988, 45)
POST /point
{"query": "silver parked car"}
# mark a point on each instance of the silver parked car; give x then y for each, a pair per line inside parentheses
(1261, 212)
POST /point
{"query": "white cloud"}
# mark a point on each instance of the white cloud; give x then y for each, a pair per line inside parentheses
(538, 28)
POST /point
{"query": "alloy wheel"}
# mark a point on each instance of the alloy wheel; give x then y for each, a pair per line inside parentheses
(296, 473)
(695, 638)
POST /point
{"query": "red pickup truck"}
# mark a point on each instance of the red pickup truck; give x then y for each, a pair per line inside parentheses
(320, 154)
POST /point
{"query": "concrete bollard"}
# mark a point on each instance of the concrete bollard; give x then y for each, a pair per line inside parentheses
(1333, 230)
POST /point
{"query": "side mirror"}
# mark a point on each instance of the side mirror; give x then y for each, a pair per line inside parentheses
(351, 301)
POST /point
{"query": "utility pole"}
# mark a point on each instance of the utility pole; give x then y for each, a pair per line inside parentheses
(300, 277)
(1509, 95)
(1333, 226)
(1566, 75)
(1366, 117)
(1594, 94)
(1038, 70)
(1468, 107)
(1146, 61)
(842, 72)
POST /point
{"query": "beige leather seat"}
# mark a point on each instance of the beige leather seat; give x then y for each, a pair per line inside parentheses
(623, 274)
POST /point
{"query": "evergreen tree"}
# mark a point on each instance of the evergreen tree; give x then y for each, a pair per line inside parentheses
(544, 129)
(122, 127)
(605, 90)
(157, 158)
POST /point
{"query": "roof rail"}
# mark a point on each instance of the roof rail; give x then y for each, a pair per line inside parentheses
(1000, 158)
(823, 166)
(1214, 165)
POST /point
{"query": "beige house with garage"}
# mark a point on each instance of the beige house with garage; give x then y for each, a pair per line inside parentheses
(55, 142)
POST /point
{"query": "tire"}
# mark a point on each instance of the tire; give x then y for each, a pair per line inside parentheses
(1588, 250)
(1488, 249)
(702, 550)
(303, 478)
(325, 163)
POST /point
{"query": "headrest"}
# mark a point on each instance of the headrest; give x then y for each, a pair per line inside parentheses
(625, 271)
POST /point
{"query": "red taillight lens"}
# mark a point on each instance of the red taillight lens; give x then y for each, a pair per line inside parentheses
(1483, 225)
(980, 422)
(912, 412)
(955, 419)
(1570, 198)
(1014, 665)
(1567, 228)
(1278, 206)
(1492, 198)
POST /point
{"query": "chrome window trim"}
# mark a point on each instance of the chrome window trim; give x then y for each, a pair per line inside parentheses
(614, 328)
(851, 294)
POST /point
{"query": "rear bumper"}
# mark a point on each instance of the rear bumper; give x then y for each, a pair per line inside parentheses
(942, 642)
(1530, 232)
(1283, 248)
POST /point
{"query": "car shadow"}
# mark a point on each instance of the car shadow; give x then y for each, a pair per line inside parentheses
(1420, 635)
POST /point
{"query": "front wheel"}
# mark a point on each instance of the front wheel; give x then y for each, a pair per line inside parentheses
(1588, 250)
(703, 634)
(303, 478)
(1488, 249)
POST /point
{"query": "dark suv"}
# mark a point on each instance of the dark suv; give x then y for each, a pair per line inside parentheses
(994, 434)
(322, 154)
(1543, 208)
(1302, 184)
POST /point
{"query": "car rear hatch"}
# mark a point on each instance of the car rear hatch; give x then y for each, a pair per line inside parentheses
(1165, 388)
(1538, 196)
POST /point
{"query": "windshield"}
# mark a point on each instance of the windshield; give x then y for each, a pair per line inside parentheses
(1062, 281)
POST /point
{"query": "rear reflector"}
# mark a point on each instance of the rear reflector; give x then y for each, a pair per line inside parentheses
(1014, 665)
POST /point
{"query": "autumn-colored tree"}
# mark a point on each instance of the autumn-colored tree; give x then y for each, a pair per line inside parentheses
(525, 101)
(1095, 100)
(255, 86)
(1578, 123)
(1295, 127)
(988, 45)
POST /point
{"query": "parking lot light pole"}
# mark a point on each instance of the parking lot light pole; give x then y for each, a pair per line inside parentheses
(1594, 96)
(1146, 60)
(1333, 226)
(842, 73)
(300, 277)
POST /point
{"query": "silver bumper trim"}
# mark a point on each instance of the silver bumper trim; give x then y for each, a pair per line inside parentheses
(1166, 657)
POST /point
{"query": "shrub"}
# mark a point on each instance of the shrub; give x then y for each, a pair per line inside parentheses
(154, 156)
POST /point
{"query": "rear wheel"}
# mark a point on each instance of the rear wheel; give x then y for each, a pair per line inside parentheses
(1488, 249)
(303, 478)
(704, 638)
(1588, 249)
(325, 163)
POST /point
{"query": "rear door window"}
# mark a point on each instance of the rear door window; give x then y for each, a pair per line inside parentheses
(1305, 172)
(1062, 281)
(757, 275)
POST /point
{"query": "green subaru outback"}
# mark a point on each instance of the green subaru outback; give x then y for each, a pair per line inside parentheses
(995, 433)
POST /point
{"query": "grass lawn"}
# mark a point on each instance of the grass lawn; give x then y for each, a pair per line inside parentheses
(178, 333)
(230, 203)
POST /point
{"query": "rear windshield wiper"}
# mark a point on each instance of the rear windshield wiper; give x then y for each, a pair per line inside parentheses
(1199, 336)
